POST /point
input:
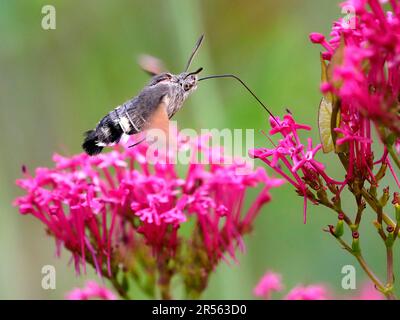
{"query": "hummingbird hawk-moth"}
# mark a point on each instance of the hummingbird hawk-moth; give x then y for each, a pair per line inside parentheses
(158, 102)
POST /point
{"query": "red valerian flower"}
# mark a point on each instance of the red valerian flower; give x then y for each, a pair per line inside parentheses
(302, 170)
(363, 83)
(105, 208)
(271, 282)
(361, 86)
(366, 74)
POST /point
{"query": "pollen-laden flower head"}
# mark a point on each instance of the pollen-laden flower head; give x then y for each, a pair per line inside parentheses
(103, 208)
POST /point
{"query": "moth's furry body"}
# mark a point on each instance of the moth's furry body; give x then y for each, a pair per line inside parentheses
(134, 116)
(154, 106)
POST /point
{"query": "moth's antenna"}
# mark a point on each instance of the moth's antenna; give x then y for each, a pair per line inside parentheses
(196, 47)
(248, 89)
(194, 72)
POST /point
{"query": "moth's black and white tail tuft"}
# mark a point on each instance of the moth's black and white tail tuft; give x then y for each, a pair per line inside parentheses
(90, 144)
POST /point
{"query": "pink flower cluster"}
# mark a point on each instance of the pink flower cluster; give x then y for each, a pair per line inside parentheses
(269, 283)
(92, 290)
(294, 161)
(362, 87)
(311, 292)
(365, 51)
(94, 206)
(363, 80)
(272, 282)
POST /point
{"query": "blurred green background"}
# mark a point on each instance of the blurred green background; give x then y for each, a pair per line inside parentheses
(56, 84)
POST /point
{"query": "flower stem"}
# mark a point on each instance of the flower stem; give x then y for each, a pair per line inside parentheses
(370, 273)
(394, 156)
(121, 291)
(386, 290)
(374, 206)
(164, 279)
(390, 275)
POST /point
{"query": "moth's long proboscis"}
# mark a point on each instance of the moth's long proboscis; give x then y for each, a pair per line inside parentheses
(195, 49)
(248, 89)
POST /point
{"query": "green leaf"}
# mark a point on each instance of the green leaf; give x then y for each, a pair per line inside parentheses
(324, 125)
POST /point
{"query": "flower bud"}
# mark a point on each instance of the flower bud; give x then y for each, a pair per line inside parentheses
(396, 203)
(337, 203)
(390, 236)
(385, 197)
(396, 198)
(326, 87)
(339, 230)
(327, 56)
(330, 229)
(356, 243)
(317, 37)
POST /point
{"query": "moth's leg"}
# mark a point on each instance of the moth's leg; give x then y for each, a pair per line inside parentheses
(137, 143)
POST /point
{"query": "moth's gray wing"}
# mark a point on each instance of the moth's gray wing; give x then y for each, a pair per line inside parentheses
(135, 115)
(157, 124)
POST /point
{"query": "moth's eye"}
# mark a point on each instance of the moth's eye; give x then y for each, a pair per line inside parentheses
(186, 86)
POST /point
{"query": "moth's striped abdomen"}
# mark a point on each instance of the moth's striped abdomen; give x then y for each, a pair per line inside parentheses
(128, 118)
(106, 133)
